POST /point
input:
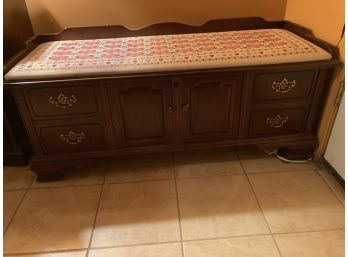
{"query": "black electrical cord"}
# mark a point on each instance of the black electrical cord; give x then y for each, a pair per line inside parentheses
(342, 35)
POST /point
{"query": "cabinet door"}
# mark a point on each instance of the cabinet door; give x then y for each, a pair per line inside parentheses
(210, 107)
(142, 112)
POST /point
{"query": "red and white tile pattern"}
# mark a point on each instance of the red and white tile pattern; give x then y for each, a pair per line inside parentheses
(165, 53)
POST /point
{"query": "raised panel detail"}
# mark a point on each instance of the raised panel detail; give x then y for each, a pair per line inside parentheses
(142, 112)
(210, 107)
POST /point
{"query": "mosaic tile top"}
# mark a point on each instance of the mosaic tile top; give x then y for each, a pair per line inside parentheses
(74, 58)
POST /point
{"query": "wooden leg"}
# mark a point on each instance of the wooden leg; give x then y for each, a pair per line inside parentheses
(46, 175)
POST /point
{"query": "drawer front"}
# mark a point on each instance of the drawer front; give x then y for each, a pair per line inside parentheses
(55, 101)
(277, 122)
(283, 85)
(72, 138)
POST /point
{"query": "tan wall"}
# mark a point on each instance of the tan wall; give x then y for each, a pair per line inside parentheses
(325, 18)
(49, 16)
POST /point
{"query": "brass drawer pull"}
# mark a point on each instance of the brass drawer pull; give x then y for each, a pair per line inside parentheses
(73, 138)
(277, 121)
(283, 86)
(63, 101)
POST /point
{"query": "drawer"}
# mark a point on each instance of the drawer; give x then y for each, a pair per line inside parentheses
(276, 122)
(63, 100)
(72, 138)
(283, 85)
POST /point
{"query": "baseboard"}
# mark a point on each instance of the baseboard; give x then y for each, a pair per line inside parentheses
(334, 172)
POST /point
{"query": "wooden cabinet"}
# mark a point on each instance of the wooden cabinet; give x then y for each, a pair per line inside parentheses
(179, 111)
(210, 106)
(75, 120)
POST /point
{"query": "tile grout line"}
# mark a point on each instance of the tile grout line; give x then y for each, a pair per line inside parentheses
(177, 206)
(240, 161)
(175, 181)
(307, 231)
(150, 180)
(327, 184)
(97, 211)
(159, 179)
(67, 186)
(263, 214)
(46, 252)
(19, 204)
(170, 242)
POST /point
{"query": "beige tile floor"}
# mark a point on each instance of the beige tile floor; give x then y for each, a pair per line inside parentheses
(214, 203)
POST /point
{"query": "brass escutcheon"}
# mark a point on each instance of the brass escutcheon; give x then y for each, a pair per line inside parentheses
(277, 121)
(63, 101)
(73, 138)
(283, 86)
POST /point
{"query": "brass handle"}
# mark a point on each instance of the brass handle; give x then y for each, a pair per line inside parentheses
(73, 138)
(170, 109)
(62, 101)
(277, 121)
(185, 107)
(283, 86)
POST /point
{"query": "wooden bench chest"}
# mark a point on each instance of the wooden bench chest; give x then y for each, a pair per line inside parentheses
(78, 117)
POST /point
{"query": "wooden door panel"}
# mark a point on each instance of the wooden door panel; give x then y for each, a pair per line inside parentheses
(142, 112)
(210, 107)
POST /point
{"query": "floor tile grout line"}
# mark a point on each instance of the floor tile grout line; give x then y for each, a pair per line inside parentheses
(133, 245)
(174, 165)
(172, 242)
(240, 161)
(179, 217)
(254, 193)
(327, 184)
(19, 204)
(47, 252)
(161, 179)
(175, 179)
(150, 180)
(137, 181)
(97, 211)
(263, 214)
(178, 207)
(307, 231)
(67, 186)
(281, 171)
(17, 189)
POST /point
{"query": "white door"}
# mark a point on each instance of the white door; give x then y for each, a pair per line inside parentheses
(335, 150)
